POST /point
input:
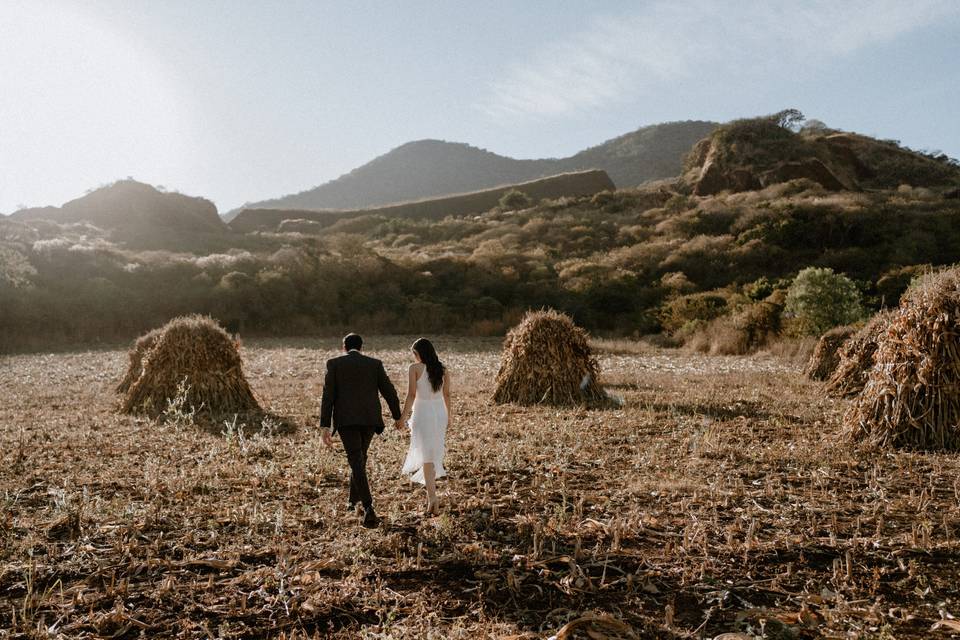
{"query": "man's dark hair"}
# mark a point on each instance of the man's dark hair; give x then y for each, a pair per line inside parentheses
(352, 341)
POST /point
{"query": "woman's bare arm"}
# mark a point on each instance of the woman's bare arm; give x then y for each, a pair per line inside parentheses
(411, 395)
(446, 395)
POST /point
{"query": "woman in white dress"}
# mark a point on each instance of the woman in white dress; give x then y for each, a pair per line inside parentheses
(428, 408)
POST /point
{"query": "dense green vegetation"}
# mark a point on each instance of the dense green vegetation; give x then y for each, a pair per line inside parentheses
(710, 270)
(626, 262)
(820, 299)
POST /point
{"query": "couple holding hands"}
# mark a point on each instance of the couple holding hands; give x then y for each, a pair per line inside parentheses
(350, 406)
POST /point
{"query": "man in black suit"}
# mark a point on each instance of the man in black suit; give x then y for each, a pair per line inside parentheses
(351, 398)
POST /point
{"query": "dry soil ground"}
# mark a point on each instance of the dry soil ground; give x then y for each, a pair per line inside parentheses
(717, 499)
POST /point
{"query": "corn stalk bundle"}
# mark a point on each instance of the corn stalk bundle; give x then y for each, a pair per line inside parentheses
(195, 360)
(912, 395)
(547, 360)
(856, 357)
(825, 358)
(140, 347)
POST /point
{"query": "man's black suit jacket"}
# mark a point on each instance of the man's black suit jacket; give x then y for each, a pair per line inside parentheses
(351, 393)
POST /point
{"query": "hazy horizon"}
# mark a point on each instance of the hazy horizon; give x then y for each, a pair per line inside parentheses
(243, 101)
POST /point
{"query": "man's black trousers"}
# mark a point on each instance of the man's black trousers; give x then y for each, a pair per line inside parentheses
(356, 440)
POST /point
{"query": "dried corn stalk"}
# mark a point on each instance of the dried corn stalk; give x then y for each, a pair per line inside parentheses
(140, 347)
(912, 394)
(191, 355)
(825, 358)
(856, 357)
(547, 360)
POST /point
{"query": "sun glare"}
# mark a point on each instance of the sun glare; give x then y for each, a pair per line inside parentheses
(81, 101)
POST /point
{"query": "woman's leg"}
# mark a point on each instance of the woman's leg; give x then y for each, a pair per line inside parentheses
(429, 478)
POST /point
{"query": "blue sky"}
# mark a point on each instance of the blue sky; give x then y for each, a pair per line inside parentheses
(240, 100)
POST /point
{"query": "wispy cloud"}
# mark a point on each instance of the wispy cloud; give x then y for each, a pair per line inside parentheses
(626, 57)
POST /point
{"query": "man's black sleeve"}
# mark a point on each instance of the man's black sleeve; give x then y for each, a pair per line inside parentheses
(388, 392)
(329, 396)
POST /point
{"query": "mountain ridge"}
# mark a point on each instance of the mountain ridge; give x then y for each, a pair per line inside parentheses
(138, 214)
(578, 184)
(430, 167)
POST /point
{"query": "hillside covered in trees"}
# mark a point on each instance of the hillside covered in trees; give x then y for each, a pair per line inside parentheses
(659, 259)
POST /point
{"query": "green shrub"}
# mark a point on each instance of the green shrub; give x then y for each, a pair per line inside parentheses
(758, 323)
(678, 203)
(892, 284)
(820, 299)
(687, 312)
(515, 199)
(742, 331)
(758, 289)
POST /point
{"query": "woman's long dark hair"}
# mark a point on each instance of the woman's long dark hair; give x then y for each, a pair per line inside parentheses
(428, 356)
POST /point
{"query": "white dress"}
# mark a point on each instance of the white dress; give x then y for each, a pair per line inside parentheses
(428, 430)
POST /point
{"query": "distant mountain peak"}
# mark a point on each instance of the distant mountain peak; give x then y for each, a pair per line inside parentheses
(430, 167)
(135, 212)
(431, 142)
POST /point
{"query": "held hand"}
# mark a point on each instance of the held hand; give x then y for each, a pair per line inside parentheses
(327, 438)
(398, 424)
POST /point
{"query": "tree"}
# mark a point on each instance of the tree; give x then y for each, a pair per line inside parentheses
(820, 299)
(788, 118)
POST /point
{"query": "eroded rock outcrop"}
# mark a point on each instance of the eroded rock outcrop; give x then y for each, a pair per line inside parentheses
(747, 155)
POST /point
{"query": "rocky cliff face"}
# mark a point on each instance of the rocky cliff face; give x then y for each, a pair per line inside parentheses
(721, 170)
(752, 154)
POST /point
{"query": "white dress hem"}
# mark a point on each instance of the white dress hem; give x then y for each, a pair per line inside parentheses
(428, 426)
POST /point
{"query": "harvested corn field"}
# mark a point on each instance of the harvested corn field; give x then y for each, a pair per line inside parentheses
(716, 500)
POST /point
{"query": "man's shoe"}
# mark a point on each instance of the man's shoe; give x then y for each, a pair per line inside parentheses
(370, 519)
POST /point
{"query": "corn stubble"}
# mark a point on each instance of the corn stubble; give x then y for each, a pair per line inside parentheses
(911, 397)
(193, 358)
(709, 503)
(547, 360)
